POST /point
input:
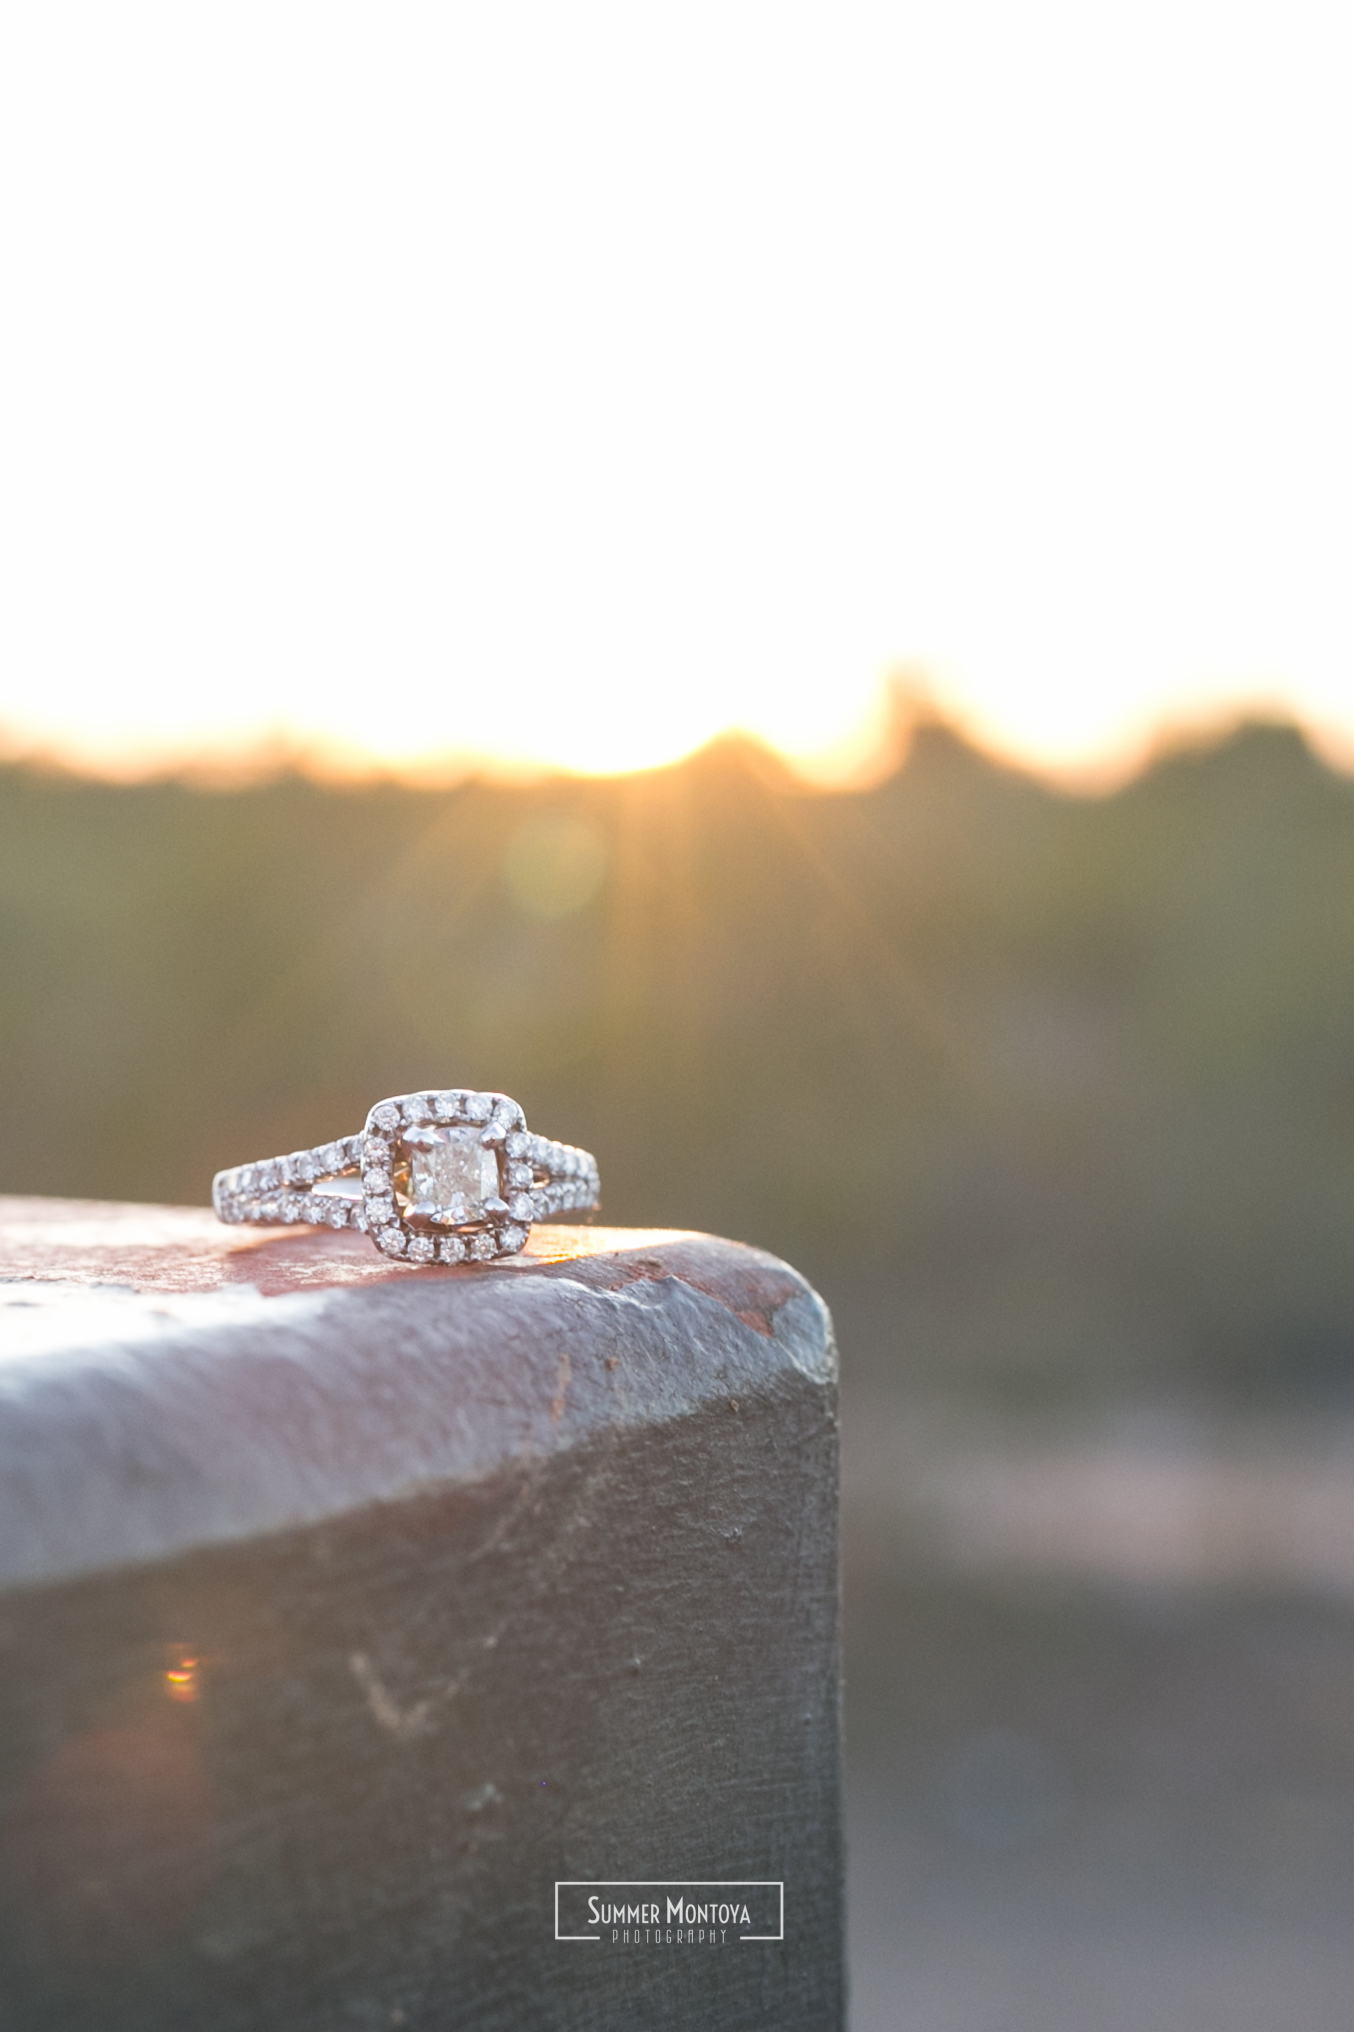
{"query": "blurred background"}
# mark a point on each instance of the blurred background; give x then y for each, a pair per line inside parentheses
(1053, 1097)
(773, 582)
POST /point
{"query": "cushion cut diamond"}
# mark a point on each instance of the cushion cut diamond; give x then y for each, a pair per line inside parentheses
(450, 1168)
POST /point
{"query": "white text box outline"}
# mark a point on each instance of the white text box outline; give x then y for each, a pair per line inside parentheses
(670, 1884)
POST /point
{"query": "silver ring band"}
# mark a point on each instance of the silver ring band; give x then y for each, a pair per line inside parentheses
(447, 1176)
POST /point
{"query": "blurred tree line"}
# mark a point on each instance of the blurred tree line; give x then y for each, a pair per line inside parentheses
(1046, 1092)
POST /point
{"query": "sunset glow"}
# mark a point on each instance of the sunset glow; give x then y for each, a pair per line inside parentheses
(524, 387)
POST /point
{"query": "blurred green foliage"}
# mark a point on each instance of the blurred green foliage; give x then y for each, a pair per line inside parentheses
(1045, 1091)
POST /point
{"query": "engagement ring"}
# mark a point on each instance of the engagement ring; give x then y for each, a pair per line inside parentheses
(453, 1177)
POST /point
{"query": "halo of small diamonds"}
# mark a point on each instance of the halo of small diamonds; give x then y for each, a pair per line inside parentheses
(429, 1177)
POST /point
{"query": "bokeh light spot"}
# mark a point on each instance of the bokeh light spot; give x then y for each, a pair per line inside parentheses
(554, 864)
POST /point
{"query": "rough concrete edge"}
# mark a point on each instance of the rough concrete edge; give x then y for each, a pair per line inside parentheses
(220, 1424)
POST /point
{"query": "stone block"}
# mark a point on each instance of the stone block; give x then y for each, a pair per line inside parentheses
(346, 1609)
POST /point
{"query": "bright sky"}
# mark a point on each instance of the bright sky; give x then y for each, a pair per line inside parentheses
(563, 383)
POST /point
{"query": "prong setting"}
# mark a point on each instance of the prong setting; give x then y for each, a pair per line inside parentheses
(435, 1172)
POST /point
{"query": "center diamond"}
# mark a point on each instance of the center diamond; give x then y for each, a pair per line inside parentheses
(451, 1170)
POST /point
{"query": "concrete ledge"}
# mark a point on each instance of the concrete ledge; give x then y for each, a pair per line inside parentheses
(347, 1607)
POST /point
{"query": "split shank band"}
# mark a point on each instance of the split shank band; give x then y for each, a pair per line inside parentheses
(446, 1176)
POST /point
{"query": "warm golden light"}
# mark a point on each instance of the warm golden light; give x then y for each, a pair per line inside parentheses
(557, 388)
(181, 1680)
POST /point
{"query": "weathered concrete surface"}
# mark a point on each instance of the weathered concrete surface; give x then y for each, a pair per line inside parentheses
(344, 1608)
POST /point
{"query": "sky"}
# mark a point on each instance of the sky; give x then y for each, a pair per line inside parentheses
(527, 386)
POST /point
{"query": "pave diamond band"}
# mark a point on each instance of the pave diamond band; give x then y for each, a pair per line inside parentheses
(445, 1176)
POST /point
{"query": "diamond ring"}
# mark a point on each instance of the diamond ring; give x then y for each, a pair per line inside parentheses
(444, 1177)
